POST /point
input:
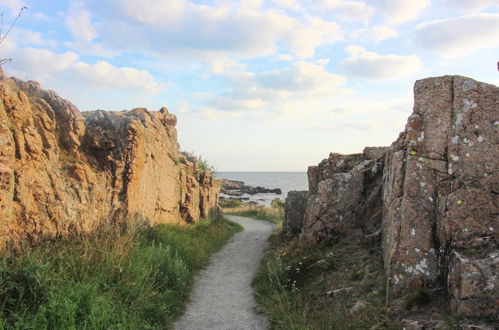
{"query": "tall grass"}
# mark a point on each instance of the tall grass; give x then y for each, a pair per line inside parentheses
(138, 280)
(273, 214)
(293, 292)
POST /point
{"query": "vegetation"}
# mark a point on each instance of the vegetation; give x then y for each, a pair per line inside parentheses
(230, 203)
(137, 280)
(251, 210)
(297, 293)
(203, 165)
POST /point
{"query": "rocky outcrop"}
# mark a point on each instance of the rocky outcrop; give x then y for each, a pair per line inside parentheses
(239, 188)
(345, 194)
(433, 196)
(62, 171)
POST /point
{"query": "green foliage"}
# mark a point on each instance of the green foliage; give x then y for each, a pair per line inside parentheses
(203, 165)
(137, 280)
(277, 203)
(230, 203)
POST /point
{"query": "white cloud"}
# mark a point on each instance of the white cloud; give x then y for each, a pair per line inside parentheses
(376, 33)
(291, 93)
(224, 65)
(458, 36)
(349, 10)
(370, 65)
(180, 27)
(80, 23)
(22, 36)
(285, 57)
(44, 65)
(15, 5)
(184, 107)
(288, 4)
(401, 11)
(468, 5)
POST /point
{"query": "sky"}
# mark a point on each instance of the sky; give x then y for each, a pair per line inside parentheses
(256, 85)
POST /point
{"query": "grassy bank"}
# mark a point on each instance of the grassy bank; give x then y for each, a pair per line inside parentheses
(274, 214)
(298, 292)
(138, 280)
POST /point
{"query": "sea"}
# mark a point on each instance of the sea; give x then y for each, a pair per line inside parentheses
(287, 181)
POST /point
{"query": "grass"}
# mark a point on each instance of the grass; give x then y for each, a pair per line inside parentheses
(274, 214)
(294, 293)
(137, 280)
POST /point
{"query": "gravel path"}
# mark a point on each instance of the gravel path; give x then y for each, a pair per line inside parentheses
(222, 297)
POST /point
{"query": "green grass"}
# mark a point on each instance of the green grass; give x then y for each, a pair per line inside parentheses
(138, 280)
(292, 292)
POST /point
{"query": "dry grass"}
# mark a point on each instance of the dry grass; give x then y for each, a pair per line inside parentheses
(275, 215)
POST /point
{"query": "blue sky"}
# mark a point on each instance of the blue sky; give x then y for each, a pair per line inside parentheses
(257, 85)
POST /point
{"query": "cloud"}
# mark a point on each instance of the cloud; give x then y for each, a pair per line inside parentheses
(183, 107)
(224, 65)
(79, 22)
(458, 36)
(376, 33)
(15, 5)
(370, 65)
(467, 5)
(349, 10)
(44, 65)
(180, 27)
(288, 94)
(288, 4)
(401, 11)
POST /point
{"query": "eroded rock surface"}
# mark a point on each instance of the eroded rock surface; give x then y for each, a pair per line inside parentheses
(62, 171)
(433, 196)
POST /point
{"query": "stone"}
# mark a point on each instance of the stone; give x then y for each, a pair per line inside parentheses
(358, 306)
(65, 172)
(295, 206)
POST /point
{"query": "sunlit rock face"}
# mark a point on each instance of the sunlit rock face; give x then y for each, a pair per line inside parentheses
(62, 171)
(433, 195)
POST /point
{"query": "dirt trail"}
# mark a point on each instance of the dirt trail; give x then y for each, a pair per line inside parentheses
(222, 297)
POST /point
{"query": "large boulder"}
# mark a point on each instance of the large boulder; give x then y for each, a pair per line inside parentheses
(295, 207)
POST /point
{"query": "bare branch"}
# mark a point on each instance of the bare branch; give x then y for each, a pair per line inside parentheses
(2, 38)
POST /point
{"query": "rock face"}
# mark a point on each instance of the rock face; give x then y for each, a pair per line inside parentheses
(62, 171)
(345, 194)
(433, 196)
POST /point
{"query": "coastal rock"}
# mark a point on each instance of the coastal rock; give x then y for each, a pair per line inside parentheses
(239, 188)
(433, 195)
(65, 172)
(295, 207)
(345, 194)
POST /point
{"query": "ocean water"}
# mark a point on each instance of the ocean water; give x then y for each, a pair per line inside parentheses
(287, 181)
